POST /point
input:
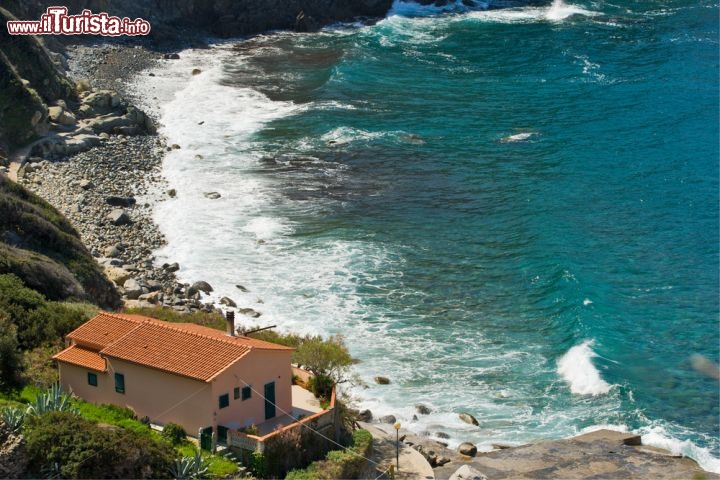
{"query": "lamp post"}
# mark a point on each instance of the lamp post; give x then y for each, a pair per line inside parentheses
(397, 445)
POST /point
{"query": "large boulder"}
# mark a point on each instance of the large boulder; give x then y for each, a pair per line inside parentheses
(467, 448)
(133, 290)
(200, 286)
(118, 217)
(466, 472)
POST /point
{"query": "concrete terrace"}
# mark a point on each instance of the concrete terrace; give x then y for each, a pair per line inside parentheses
(304, 404)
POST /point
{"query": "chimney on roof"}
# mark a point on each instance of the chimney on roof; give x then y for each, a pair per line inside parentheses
(230, 317)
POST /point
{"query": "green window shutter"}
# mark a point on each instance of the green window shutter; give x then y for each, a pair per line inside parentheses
(119, 383)
(236, 393)
(246, 392)
(224, 400)
(92, 379)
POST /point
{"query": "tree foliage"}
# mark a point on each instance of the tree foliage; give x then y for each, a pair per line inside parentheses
(328, 359)
(29, 321)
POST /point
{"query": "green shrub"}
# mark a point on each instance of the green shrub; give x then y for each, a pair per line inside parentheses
(174, 433)
(13, 418)
(52, 400)
(186, 468)
(81, 449)
(10, 355)
(348, 463)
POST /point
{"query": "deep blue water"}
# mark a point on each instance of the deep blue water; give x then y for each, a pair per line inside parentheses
(508, 212)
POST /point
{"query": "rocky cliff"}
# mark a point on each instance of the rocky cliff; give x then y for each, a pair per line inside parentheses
(38, 245)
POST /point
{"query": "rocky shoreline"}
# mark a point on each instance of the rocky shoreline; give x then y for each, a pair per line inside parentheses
(108, 186)
(108, 192)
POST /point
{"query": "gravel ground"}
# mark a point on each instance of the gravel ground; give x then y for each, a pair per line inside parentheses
(108, 193)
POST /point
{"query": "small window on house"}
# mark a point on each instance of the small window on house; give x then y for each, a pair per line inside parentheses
(119, 383)
(236, 393)
(246, 392)
(92, 379)
(224, 400)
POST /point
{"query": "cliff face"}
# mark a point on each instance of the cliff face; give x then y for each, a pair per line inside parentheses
(226, 18)
(38, 245)
(29, 81)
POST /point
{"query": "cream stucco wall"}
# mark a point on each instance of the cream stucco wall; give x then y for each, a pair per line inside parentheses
(166, 398)
(256, 369)
(161, 396)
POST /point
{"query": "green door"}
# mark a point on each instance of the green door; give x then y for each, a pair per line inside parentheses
(206, 438)
(269, 400)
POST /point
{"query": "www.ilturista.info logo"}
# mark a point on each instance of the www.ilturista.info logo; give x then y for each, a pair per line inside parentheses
(57, 22)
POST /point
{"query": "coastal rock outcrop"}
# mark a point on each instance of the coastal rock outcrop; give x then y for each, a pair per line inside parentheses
(467, 418)
(466, 472)
(467, 448)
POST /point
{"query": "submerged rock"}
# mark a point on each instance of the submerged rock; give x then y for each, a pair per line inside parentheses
(467, 418)
(200, 286)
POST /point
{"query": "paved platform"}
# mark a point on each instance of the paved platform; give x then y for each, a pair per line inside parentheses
(304, 404)
(412, 464)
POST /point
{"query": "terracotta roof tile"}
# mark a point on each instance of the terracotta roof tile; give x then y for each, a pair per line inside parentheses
(221, 334)
(82, 357)
(102, 330)
(184, 349)
(170, 349)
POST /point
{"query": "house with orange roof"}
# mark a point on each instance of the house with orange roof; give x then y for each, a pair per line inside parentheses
(195, 376)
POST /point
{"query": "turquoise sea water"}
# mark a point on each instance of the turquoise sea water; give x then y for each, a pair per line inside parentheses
(509, 212)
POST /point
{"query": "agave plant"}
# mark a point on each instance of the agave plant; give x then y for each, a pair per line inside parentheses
(13, 418)
(54, 400)
(189, 468)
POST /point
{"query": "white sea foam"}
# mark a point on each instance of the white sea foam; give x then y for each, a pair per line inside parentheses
(658, 436)
(577, 369)
(556, 12)
(246, 237)
(518, 137)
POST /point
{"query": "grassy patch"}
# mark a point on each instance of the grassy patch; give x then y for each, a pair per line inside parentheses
(112, 415)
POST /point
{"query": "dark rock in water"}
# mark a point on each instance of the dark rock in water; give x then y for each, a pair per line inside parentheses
(467, 448)
(442, 435)
(173, 267)
(196, 71)
(200, 286)
(365, 416)
(172, 193)
(250, 312)
(422, 409)
(228, 302)
(241, 288)
(387, 419)
(171, 56)
(118, 217)
(114, 201)
(467, 418)
(382, 380)
(212, 195)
